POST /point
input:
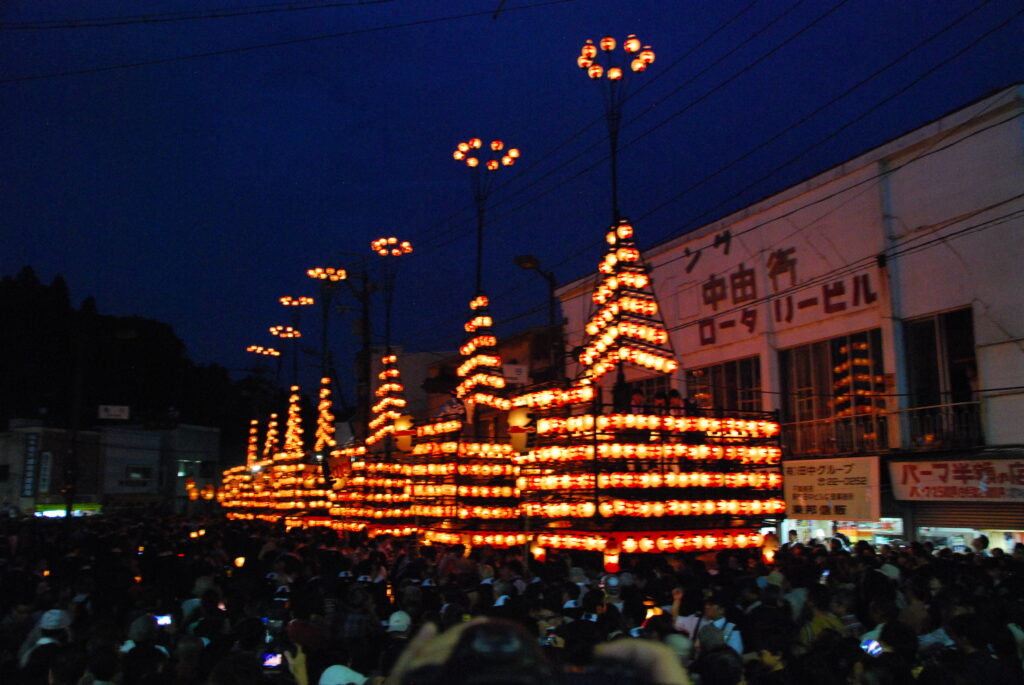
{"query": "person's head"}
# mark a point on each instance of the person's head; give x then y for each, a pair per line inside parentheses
(980, 543)
(720, 666)
(67, 666)
(238, 668)
(715, 607)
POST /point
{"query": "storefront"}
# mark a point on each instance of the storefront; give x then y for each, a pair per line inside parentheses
(952, 502)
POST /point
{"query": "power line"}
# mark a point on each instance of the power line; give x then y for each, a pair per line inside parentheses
(222, 13)
(264, 46)
(600, 161)
(819, 109)
(537, 161)
(867, 112)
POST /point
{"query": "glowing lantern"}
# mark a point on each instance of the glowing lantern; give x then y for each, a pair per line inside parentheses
(476, 143)
(632, 44)
(583, 62)
(497, 145)
(647, 55)
(589, 51)
(607, 43)
(614, 74)
(492, 164)
(463, 147)
(472, 161)
(459, 155)
(611, 562)
(596, 71)
(638, 64)
(239, 562)
(513, 152)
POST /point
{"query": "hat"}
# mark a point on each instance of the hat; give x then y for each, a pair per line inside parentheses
(891, 571)
(341, 675)
(142, 629)
(776, 578)
(577, 575)
(612, 585)
(680, 644)
(55, 619)
(399, 622)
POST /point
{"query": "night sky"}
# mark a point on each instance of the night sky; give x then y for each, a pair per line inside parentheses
(197, 188)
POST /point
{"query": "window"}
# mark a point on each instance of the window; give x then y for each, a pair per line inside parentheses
(941, 365)
(942, 374)
(834, 394)
(138, 473)
(649, 387)
(732, 386)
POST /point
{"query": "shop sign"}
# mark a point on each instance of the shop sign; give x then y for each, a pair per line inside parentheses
(832, 489)
(990, 480)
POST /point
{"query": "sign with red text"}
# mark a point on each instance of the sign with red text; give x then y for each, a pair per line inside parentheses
(839, 488)
(991, 480)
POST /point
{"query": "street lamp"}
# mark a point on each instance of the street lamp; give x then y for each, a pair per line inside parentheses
(390, 248)
(612, 71)
(531, 263)
(481, 159)
(290, 333)
(329, 278)
(267, 352)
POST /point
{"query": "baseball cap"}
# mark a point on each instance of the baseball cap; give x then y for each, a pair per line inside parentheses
(55, 619)
(341, 675)
(399, 622)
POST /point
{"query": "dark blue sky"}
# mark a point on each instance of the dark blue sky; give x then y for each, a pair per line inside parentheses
(198, 191)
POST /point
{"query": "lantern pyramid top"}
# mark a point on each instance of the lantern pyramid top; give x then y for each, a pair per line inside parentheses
(483, 380)
(626, 326)
(292, 447)
(324, 418)
(390, 402)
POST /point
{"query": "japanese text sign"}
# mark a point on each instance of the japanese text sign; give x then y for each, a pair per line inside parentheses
(992, 480)
(832, 489)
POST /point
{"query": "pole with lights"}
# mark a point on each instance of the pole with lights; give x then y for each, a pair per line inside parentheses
(481, 370)
(296, 304)
(612, 72)
(329, 278)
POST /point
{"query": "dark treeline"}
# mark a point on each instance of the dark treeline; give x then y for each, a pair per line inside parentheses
(59, 363)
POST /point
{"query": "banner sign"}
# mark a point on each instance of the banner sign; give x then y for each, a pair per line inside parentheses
(832, 489)
(993, 480)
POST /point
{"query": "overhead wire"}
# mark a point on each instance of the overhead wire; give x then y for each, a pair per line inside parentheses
(603, 139)
(185, 15)
(535, 162)
(276, 44)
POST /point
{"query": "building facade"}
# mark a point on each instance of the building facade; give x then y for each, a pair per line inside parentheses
(876, 308)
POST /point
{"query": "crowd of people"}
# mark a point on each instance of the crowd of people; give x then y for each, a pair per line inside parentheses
(167, 600)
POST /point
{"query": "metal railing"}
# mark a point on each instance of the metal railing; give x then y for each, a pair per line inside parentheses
(942, 426)
(938, 427)
(848, 435)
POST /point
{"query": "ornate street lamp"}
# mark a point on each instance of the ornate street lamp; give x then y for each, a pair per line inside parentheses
(391, 248)
(613, 71)
(329, 278)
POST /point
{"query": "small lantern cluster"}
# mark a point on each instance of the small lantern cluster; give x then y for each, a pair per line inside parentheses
(471, 152)
(302, 301)
(285, 332)
(391, 247)
(265, 351)
(327, 273)
(639, 57)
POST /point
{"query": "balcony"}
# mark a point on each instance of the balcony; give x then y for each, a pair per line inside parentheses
(942, 426)
(938, 427)
(824, 437)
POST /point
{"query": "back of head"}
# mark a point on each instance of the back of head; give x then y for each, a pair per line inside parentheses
(720, 666)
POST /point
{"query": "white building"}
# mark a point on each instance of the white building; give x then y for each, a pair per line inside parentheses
(877, 308)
